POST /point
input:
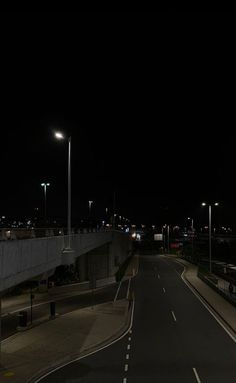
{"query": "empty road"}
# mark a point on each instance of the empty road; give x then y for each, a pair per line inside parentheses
(173, 338)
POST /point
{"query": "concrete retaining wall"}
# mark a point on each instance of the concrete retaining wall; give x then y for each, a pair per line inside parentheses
(21, 260)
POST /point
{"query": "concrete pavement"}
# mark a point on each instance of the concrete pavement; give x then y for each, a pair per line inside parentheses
(11, 303)
(28, 354)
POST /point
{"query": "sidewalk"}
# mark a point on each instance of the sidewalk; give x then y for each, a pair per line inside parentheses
(35, 351)
(58, 341)
(225, 309)
(17, 302)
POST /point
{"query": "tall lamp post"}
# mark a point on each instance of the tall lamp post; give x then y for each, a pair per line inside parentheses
(90, 206)
(45, 185)
(192, 232)
(209, 207)
(61, 136)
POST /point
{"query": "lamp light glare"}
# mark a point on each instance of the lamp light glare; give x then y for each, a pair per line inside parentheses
(59, 135)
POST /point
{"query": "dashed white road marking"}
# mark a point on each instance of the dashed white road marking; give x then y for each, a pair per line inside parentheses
(126, 367)
(158, 276)
(210, 309)
(129, 338)
(124, 380)
(128, 347)
(174, 317)
(196, 375)
(164, 290)
(92, 352)
(127, 356)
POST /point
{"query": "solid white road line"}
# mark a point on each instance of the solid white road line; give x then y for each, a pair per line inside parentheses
(173, 314)
(204, 303)
(126, 367)
(127, 356)
(164, 290)
(93, 352)
(128, 347)
(127, 295)
(196, 375)
(207, 307)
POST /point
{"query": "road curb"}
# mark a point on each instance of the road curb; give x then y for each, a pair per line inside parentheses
(72, 358)
(205, 300)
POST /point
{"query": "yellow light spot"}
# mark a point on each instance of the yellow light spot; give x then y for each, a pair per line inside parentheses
(8, 374)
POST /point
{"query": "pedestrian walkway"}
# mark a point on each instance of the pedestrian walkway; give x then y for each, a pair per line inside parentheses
(26, 355)
(225, 309)
(17, 302)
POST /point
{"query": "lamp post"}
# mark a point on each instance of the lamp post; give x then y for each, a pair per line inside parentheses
(209, 213)
(192, 233)
(90, 205)
(168, 238)
(61, 136)
(163, 238)
(45, 185)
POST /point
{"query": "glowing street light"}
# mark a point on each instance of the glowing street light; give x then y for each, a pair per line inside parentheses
(61, 136)
(209, 206)
(45, 185)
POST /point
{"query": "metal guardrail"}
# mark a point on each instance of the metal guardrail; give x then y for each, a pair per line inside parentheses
(209, 281)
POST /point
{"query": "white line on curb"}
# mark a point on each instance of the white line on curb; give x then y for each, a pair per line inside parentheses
(93, 352)
(173, 314)
(206, 306)
(117, 291)
(126, 367)
(127, 295)
(196, 375)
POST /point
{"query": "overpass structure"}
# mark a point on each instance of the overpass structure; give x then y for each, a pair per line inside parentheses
(25, 259)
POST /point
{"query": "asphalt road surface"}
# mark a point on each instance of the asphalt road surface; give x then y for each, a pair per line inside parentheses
(64, 305)
(173, 339)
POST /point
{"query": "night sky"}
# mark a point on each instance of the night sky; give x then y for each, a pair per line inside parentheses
(149, 101)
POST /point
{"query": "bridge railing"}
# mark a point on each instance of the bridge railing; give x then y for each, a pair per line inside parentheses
(27, 233)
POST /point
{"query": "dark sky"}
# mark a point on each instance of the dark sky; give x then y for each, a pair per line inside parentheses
(148, 98)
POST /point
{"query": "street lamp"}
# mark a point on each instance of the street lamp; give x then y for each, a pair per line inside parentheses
(45, 185)
(61, 136)
(209, 207)
(192, 233)
(90, 205)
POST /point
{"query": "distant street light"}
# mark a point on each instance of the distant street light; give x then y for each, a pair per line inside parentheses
(61, 136)
(45, 185)
(209, 206)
